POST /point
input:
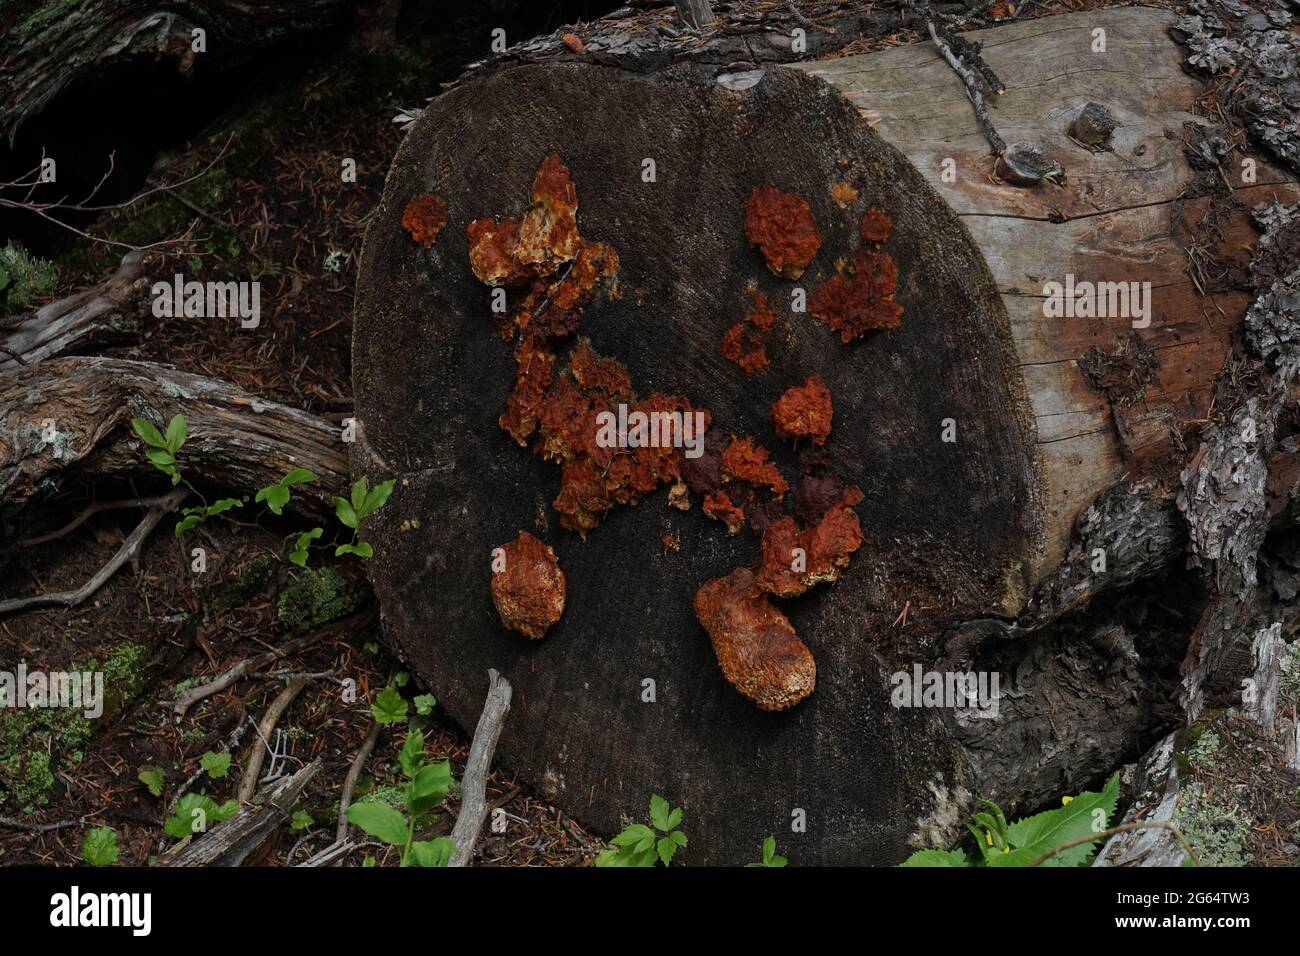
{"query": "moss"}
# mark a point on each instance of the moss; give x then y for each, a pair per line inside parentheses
(35, 744)
(1201, 753)
(251, 581)
(1216, 832)
(23, 278)
(315, 597)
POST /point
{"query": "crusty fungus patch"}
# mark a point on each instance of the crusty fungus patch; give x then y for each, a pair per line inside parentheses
(795, 559)
(844, 194)
(529, 590)
(744, 461)
(783, 228)
(860, 299)
(719, 506)
(745, 343)
(756, 647)
(424, 217)
(804, 411)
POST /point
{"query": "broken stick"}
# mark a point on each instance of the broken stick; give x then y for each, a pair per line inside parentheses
(473, 785)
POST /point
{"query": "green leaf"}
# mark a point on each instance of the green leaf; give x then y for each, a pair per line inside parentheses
(195, 810)
(666, 849)
(177, 429)
(431, 852)
(216, 764)
(678, 837)
(298, 476)
(99, 846)
(152, 778)
(148, 432)
(635, 834)
(361, 549)
(299, 553)
(275, 496)
(400, 678)
(377, 497)
(389, 706)
(674, 819)
(189, 521)
(428, 787)
(424, 704)
(226, 810)
(936, 858)
(224, 505)
(161, 459)
(301, 820)
(1077, 819)
(411, 756)
(359, 495)
(659, 813)
(344, 511)
(368, 863)
(379, 820)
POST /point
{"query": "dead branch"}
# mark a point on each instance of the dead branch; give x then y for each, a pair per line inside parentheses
(128, 550)
(229, 843)
(248, 783)
(473, 785)
(973, 81)
(237, 440)
(89, 512)
(341, 845)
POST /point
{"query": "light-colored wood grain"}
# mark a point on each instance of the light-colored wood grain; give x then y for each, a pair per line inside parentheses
(1113, 220)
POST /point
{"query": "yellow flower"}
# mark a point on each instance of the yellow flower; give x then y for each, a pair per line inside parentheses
(988, 838)
(1066, 800)
(1006, 849)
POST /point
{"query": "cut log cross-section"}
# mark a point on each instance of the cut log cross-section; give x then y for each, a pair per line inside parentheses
(624, 696)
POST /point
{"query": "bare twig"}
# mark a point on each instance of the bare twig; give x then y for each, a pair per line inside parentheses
(350, 781)
(473, 785)
(125, 553)
(90, 511)
(248, 783)
(1125, 828)
(972, 80)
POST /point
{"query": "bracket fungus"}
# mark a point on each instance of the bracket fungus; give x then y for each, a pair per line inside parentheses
(529, 589)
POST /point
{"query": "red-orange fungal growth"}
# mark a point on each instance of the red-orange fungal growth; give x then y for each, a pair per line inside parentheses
(804, 411)
(742, 460)
(743, 347)
(861, 301)
(875, 225)
(424, 217)
(574, 42)
(529, 590)
(783, 228)
(795, 560)
(720, 507)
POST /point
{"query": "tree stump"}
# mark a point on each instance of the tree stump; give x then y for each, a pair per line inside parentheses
(624, 697)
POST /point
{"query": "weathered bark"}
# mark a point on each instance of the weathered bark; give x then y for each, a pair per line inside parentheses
(92, 317)
(960, 536)
(236, 441)
(50, 45)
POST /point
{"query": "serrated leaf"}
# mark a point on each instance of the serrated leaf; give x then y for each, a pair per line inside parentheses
(152, 778)
(1046, 831)
(301, 820)
(666, 848)
(424, 704)
(379, 820)
(389, 706)
(216, 764)
(659, 813)
(99, 846)
(633, 835)
(148, 432)
(678, 837)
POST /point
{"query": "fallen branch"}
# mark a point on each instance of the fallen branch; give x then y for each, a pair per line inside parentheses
(229, 843)
(237, 440)
(973, 81)
(248, 783)
(1124, 828)
(125, 553)
(473, 785)
(95, 314)
(89, 512)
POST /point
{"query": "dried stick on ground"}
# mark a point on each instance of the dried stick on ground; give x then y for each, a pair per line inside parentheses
(473, 785)
(236, 440)
(128, 550)
(256, 754)
(92, 316)
(997, 145)
(229, 843)
(89, 512)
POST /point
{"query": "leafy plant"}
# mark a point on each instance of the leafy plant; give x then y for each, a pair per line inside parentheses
(277, 495)
(300, 820)
(192, 516)
(22, 278)
(299, 553)
(163, 447)
(152, 778)
(216, 764)
(196, 812)
(1027, 841)
(426, 787)
(770, 857)
(424, 704)
(363, 501)
(641, 845)
(389, 707)
(99, 846)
